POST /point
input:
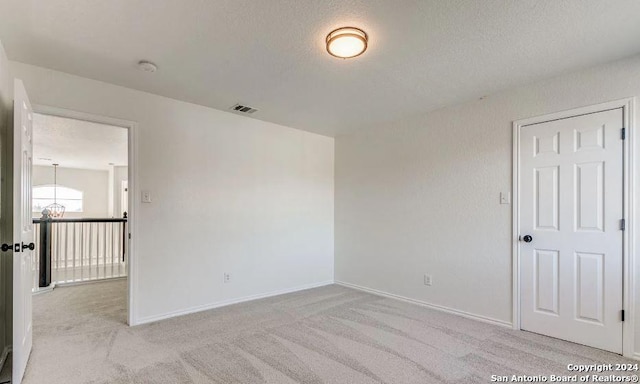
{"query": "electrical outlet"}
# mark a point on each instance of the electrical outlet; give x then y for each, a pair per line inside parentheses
(146, 196)
(428, 280)
(227, 277)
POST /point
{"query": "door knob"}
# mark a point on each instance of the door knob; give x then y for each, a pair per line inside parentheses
(10, 247)
(29, 246)
(527, 238)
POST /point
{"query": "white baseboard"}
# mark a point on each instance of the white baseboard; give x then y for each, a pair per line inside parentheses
(94, 281)
(55, 285)
(42, 290)
(635, 356)
(3, 357)
(441, 308)
(224, 303)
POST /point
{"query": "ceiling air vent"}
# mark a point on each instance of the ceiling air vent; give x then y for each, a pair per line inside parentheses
(243, 109)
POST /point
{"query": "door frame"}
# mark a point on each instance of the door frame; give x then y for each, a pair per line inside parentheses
(628, 290)
(132, 214)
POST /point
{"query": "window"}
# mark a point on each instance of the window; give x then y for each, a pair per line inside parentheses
(70, 198)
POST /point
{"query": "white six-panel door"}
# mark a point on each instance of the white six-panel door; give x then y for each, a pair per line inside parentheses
(571, 204)
(22, 230)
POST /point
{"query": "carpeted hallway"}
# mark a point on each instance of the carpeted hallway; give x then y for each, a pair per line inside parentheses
(325, 335)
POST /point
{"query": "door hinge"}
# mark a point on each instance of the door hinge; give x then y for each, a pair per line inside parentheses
(623, 133)
(623, 224)
(622, 314)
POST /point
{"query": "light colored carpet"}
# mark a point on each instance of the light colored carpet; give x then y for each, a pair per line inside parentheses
(324, 335)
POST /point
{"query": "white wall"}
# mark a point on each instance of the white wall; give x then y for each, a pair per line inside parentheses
(93, 183)
(6, 230)
(422, 195)
(230, 194)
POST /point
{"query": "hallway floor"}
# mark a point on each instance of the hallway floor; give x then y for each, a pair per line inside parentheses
(324, 335)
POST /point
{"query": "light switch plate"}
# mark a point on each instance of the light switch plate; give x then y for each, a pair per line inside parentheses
(505, 197)
(146, 196)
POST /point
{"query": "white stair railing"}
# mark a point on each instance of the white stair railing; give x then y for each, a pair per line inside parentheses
(78, 250)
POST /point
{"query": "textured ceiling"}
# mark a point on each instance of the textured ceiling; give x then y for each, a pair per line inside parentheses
(77, 144)
(423, 54)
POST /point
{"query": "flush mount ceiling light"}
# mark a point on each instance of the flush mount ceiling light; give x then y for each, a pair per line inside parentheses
(347, 42)
(147, 66)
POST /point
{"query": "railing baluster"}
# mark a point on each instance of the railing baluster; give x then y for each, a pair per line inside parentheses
(56, 240)
(98, 250)
(52, 250)
(73, 255)
(90, 247)
(104, 250)
(117, 248)
(82, 248)
(56, 252)
(92, 254)
(100, 266)
(112, 249)
(96, 234)
(66, 251)
(121, 250)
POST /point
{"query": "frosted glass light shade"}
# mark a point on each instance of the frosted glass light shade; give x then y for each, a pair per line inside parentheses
(347, 42)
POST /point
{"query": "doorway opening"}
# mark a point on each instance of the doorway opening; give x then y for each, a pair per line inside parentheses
(80, 224)
(96, 147)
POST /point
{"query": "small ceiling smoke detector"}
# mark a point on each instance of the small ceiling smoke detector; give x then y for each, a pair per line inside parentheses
(243, 109)
(147, 66)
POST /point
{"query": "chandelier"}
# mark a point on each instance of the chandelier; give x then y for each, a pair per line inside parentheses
(55, 210)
